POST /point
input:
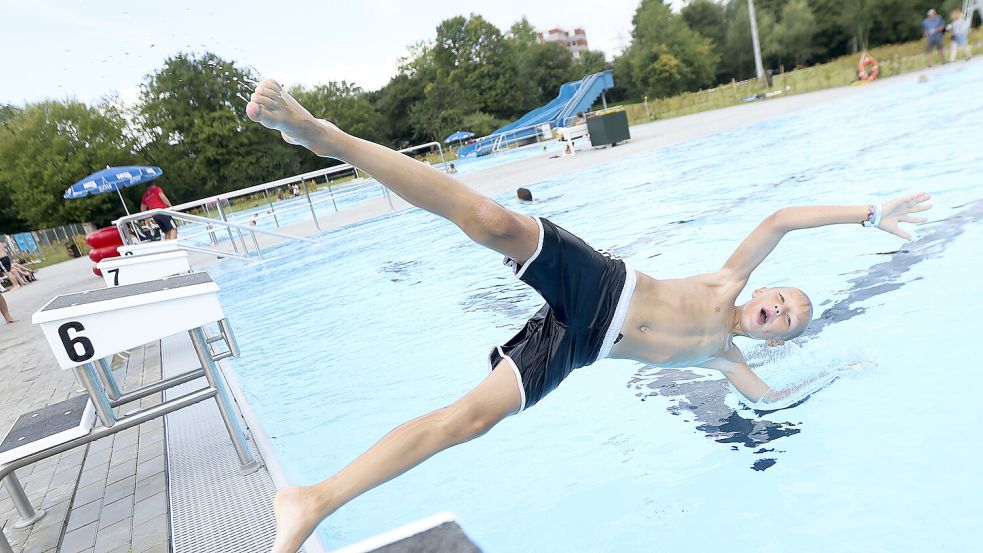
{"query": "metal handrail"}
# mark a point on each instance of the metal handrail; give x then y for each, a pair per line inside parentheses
(126, 236)
(295, 178)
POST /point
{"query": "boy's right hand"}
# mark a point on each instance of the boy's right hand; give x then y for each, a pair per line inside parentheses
(898, 210)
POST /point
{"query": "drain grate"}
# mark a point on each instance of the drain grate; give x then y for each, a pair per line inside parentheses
(213, 506)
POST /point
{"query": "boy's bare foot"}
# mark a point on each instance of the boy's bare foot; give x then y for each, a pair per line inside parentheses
(271, 106)
(298, 512)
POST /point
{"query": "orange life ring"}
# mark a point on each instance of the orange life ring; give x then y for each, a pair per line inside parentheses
(867, 68)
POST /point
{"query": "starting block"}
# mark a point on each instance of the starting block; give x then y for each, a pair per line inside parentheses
(131, 268)
(91, 325)
(437, 534)
(147, 248)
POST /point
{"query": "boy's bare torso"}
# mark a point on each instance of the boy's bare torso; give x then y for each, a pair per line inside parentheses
(678, 322)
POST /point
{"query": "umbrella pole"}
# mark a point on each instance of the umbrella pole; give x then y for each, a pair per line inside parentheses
(123, 201)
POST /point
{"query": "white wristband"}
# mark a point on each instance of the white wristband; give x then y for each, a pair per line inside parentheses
(874, 217)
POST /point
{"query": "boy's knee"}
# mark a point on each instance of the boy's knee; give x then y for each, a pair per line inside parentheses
(464, 423)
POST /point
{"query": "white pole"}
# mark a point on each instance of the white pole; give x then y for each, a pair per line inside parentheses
(122, 200)
(758, 66)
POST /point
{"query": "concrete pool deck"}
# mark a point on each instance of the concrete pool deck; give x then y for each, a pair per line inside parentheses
(111, 495)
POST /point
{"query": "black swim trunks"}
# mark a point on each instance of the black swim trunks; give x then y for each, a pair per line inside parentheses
(587, 294)
(164, 221)
(5, 263)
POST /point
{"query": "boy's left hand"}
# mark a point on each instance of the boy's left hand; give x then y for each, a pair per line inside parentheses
(898, 210)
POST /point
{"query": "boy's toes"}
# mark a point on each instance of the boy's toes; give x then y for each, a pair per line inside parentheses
(253, 111)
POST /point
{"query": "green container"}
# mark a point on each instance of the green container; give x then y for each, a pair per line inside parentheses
(608, 129)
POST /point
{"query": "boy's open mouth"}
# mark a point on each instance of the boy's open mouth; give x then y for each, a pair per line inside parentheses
(762, 316)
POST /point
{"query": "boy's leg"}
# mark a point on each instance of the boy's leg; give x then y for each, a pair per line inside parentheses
(5, 312)
(482, 219)
(299, 509)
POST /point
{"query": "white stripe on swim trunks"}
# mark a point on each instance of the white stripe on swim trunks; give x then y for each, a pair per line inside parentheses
(620, 312)
(539, 248)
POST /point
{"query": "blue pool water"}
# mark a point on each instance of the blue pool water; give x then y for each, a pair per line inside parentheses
(382, 321)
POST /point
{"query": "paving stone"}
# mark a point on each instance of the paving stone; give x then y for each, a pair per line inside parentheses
(150, 467)
(118, 490)
(94, 475)
(145, 511)
(158, 548)
(87, 494)
(150, 486)
(116, 535)
(79, 539)
(123, 455)
(121, 471)
(98, 457)
(116, 511)
(101, 444)
(84, 515)
(151, 533)
(42, 538)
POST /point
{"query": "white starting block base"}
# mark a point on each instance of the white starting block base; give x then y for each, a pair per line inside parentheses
(86, 326)
(117, 271)
(437, 534)
(148, 248)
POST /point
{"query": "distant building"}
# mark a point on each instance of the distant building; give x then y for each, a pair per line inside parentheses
(575, 40)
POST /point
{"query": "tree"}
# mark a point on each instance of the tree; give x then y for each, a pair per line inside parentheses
(344, 104)
(193, 121)
(791, 40)
(47, 147)
(665, 56)
(546, 66)
(590, 62)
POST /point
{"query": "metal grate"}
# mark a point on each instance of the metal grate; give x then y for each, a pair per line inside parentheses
(213, 506)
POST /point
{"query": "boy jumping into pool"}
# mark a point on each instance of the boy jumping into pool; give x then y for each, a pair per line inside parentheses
(596, 307)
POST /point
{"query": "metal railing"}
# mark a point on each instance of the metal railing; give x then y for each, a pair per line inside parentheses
(240, 225)
(126, 227)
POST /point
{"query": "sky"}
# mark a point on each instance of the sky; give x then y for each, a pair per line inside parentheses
(88, 49)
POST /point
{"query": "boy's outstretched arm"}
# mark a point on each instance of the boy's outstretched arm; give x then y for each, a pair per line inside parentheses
(762, 241)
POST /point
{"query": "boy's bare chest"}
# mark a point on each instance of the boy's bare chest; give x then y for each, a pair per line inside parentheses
(675, 323)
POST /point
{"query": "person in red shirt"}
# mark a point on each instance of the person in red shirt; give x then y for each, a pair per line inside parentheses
(154, 198)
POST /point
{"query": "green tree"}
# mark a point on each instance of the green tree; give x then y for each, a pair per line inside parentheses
(546, 66)
(46, 148)
(344, 104)
(791, 40)
(193, 125)
(665, 56)
(590, 62)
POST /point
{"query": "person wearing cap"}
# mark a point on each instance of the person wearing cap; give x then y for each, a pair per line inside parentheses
(933, 27)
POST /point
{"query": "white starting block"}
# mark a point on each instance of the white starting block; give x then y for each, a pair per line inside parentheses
(147, 248)
(437, 534)
(130, 269)
(84, 327)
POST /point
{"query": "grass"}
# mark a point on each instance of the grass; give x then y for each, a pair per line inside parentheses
(893, 59)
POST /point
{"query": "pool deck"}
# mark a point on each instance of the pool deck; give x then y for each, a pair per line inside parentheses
(110, 496)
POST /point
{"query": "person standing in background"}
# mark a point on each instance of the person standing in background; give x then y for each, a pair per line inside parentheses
(960, 36)
(933, 27)
(154, 198)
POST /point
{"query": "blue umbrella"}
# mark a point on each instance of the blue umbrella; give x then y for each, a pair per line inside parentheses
(458, 136)
(112, 178)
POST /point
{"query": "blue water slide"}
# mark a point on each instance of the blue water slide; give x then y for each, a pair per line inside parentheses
(573, 98)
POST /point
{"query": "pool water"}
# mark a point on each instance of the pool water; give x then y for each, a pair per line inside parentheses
(385, 320)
